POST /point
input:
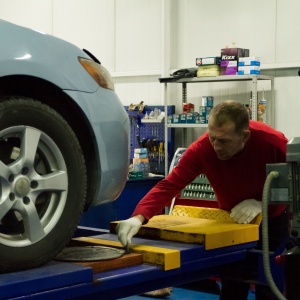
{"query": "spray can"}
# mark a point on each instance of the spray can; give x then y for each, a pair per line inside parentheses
(262, 111)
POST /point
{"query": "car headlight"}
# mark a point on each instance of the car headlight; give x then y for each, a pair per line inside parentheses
(98, 72)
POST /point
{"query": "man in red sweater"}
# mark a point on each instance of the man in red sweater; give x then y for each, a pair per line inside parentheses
(233, 154)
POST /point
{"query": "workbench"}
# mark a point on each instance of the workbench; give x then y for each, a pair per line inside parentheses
(66, 280)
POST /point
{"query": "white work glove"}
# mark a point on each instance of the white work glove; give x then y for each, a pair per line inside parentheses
(127, 229)
(246, 211)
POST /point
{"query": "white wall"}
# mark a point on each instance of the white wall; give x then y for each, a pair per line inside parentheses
(126, 36)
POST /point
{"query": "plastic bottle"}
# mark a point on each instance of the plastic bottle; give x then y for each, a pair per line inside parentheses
(262, 110)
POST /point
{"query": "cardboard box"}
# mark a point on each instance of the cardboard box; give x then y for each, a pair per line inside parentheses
(230, 58)
(212, 60)
(140, 150)
(228, 67)
(207, 101)
(175, 119)
(182, 118)
(140, 155)
(208, 70)
(204, 112)
(141, 165)
(191, 117)
(234, 53)
(249, 61)
(249, 70)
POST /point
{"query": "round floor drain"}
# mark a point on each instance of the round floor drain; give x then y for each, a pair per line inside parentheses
(89, 253)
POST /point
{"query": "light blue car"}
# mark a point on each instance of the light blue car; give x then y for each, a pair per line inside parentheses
(64, 143)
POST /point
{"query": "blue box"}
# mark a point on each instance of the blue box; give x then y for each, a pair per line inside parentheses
(182, 118)
(249, 61)
(191, 117)
(250, 72)
(175, 119)
(208, 101)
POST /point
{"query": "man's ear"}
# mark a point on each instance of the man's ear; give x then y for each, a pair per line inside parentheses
(246, 135)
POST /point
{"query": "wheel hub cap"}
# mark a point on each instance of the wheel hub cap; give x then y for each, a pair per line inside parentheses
(22, 186)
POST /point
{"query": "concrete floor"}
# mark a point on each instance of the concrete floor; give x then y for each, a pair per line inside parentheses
(180, 294)
(185, 294)
(189, 292)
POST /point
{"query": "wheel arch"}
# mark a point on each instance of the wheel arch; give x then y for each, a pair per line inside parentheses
(53, 96)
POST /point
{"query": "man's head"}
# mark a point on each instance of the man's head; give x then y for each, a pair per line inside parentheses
(228, 128)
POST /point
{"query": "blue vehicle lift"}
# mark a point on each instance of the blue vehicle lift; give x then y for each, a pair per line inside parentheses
(65, 280)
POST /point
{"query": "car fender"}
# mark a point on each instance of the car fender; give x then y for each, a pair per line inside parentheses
(112, 135)
(28, 57)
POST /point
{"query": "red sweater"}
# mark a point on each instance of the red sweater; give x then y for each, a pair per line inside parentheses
(234, 180)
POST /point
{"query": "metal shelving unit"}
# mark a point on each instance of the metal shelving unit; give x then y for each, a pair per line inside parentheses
(226, 78)
(186, 125)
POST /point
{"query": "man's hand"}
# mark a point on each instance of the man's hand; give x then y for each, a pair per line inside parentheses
(127, 229)
(246, 211)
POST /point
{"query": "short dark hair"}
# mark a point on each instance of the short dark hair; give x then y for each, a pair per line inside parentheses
(231, 110)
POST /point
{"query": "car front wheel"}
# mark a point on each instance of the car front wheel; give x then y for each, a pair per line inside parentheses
(43, 183)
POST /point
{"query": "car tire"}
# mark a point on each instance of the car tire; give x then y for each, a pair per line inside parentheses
(43, 183)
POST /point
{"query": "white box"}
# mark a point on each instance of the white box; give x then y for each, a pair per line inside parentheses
(249, 61)
(249, 70)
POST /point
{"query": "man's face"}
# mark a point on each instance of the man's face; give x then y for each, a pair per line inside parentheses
(225, 141)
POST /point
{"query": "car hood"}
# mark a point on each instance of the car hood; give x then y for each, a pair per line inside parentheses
(24, 51)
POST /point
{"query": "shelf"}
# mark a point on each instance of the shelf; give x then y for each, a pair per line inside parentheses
(183, 125)
(152, 120)
(224, 78)
(215, 78)
(268, 66)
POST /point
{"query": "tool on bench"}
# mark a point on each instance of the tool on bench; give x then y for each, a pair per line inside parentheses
(154, 142)
(139, 141)
(150, 147)
(144, 143)
(160, 152)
